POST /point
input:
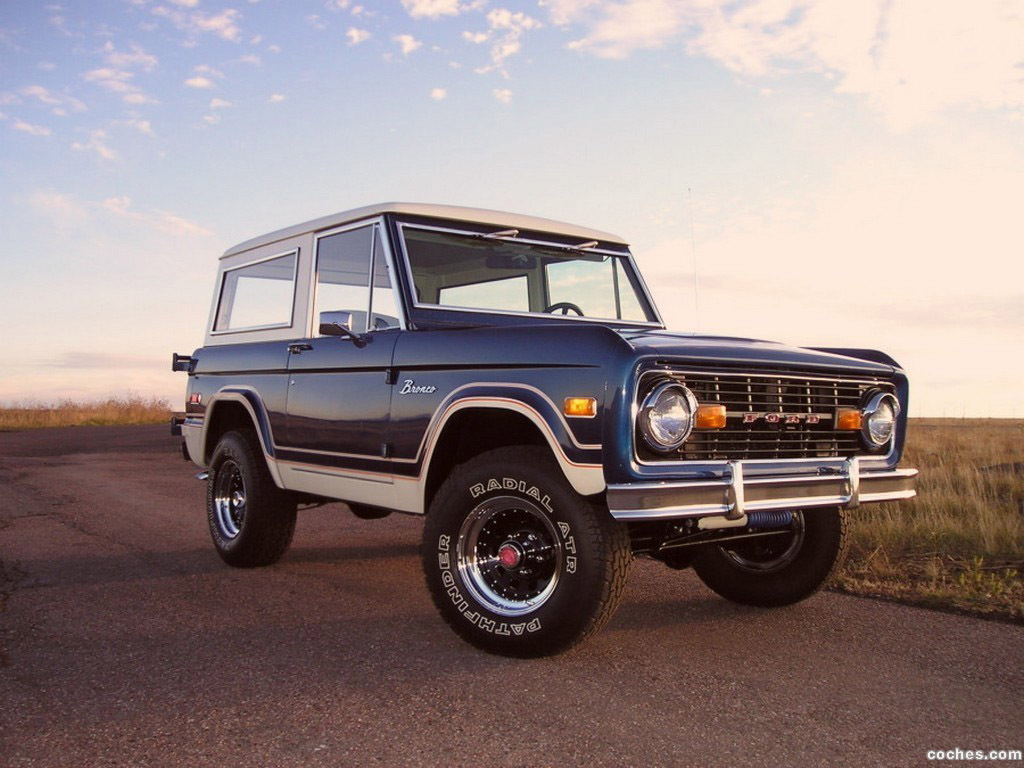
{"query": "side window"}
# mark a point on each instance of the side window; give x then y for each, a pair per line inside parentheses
(343, 275)
(259, 295)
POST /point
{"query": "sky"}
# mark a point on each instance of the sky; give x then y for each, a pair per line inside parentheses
(826, 173)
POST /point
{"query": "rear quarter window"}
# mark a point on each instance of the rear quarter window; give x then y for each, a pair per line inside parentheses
(257, 295)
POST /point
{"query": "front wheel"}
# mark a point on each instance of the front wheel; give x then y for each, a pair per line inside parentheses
(780, 569)
(517, 562)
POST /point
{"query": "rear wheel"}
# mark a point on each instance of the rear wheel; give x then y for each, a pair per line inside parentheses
(251, 520)
(780, 569)
(516, 561)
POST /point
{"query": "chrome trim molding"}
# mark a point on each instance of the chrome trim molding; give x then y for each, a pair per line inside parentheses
(733, 495)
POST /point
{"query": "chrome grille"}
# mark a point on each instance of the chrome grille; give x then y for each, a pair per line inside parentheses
(768, 415)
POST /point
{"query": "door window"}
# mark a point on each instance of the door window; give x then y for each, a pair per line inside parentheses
(343, 280)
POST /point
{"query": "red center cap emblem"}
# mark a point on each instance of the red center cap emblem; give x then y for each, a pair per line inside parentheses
(509, 555)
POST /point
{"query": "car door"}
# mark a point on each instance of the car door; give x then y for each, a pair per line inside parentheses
(339, 398)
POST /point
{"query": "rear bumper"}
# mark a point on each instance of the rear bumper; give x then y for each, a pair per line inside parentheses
(734, 494)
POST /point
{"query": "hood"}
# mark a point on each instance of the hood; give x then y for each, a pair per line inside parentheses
(737, 351)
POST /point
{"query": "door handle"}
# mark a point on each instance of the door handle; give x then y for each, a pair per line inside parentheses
(299, 348)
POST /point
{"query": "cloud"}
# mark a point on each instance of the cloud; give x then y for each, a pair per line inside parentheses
(62, 209)
(169, 223)
(504, 95)
(97, 144)
(142, 126)
(220, 103)
(199, 82)
(118, 81)
(137, 57)
(407, 43)
(622, 28)
(336, 5)
(40, 93)
(276, 98)
(316, 22)
(432, 9)
(224, 25)
(79, 360)
(505, 29)
(112, 79)
(439, 94)
(60, 104)
(911, 59)
(65, 211)
(31, 129)
(137, 97)
(356, 36)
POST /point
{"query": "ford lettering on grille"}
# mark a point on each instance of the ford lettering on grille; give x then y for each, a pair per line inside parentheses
(782, 418)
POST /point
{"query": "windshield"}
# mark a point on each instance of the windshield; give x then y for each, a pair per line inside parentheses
(481, 272)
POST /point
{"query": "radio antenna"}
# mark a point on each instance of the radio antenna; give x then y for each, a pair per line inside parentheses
(693, 251)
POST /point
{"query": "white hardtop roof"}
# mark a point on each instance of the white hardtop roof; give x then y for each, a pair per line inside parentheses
(499, 219)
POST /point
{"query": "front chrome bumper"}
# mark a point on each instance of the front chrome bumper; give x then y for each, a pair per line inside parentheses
(733, 495)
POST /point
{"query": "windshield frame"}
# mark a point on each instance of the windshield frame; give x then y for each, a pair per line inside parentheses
(634, 275)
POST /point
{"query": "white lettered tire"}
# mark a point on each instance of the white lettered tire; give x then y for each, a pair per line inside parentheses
(516, 561)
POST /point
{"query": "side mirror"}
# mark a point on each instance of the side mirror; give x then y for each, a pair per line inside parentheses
(339, 324)
(329, 320)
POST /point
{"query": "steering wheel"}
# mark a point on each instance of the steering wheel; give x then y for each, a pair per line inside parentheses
(565, 306)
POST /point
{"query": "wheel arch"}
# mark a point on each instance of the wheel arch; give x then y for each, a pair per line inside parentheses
(238, 409)
(471, 428)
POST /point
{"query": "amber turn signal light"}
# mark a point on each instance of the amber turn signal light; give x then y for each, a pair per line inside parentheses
(710, 417)
(581, 406)
(848, 418)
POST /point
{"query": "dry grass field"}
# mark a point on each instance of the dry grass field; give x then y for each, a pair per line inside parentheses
(130, 409)
(960, 543)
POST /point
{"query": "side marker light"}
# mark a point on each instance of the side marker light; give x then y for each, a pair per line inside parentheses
(581, 406)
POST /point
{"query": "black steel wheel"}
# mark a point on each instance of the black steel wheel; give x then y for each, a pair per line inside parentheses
(516, 561)
(251, 520)
(780, 569)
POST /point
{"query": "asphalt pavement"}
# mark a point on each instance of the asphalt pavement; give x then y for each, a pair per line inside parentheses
(124, 640)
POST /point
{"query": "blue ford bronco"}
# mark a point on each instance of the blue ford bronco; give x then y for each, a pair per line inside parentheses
(509, 378)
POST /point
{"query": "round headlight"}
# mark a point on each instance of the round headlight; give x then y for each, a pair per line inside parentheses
(880, 416)
(666, 416)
